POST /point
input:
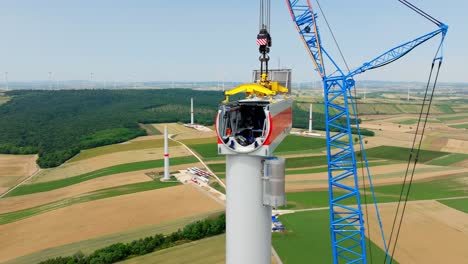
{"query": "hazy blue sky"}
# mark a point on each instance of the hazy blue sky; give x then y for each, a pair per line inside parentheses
(210, 40)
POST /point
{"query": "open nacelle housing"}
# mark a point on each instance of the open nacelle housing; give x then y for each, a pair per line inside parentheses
(253, 126)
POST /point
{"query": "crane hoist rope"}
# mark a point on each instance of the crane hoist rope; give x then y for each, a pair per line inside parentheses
(265, 86)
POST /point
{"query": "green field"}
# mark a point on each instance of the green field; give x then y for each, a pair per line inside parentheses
(291, 144)
(399, 153)
(88, 246)
(460, 126)
(209, 250)
(453, 117)
(430, 190)
(217, 186)
(298, 162)
(449, 159)
(325, 168)
(209, 151)
(307, 239)
(135, 166)
(218, 167)
(445, 108)
(414, 121)
(87, 197)
(459, 204)
(311, 161)
(135, 145)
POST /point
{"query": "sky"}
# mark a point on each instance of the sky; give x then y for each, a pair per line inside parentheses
(207, 40)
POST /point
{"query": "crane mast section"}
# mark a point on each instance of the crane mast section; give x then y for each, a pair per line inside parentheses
(305, 21)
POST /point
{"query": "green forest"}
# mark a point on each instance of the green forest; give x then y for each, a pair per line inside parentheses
(58, 124)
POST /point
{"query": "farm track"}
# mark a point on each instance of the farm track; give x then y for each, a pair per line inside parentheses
(201, 161)
(17, 185)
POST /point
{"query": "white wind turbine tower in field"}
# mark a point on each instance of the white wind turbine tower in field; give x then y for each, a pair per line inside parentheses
(167, 176)
(310, 119)
(191, 111)
(50, 80)
(91, 78)
(6, 80)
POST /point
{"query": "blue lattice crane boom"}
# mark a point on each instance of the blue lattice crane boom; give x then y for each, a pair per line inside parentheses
(347, 222)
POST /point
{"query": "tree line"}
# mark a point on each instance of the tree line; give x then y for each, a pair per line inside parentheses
(120, 251)
(58, 124)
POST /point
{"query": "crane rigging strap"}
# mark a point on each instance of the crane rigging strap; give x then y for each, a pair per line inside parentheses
(413, 159)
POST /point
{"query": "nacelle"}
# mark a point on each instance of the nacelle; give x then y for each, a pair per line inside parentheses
(253, 126)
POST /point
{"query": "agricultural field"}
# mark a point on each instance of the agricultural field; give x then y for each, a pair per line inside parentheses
(4, 98)
(181, 132)
(101, 196)
(90, 245)
(429, 226)
(72, 169)
(15, 168)
(136, 144)
(308, 238)
(464, 126)
(209, 250)
(96, 186)
(65, 225)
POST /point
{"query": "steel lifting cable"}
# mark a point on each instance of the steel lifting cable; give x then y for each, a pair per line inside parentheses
(333, 35)
(416, 157)
(356, 116)
(419, 11)
(426, 113)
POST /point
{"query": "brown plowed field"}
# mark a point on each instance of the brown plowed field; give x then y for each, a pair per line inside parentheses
(93, 219)
(183, 132)
(431, 232)
(455, 145)
(27, 201)
(14, 168)
(17, 165)
(107, 160)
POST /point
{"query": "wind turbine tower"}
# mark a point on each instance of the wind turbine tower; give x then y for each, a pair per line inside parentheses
(91, 77)
(191, 111)
(310, 119)
(6, 80)
(167, 176)
(407, 99)
(50, 80)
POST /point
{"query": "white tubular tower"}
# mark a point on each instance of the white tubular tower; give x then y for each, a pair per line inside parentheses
(191, 111)
(248, 132)
(310, 119)
(248, 221)
(167, 176)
